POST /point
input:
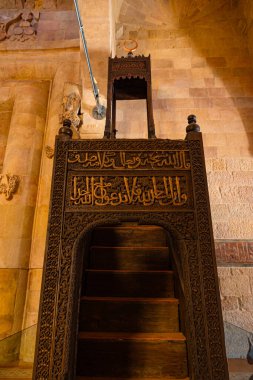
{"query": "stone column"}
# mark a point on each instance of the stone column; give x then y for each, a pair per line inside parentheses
(68, 72)
(22, 158)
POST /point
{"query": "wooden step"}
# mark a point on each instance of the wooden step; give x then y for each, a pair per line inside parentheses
(129, 314)
(128, 378)
(121, 336)
(127, 354)
(129, 258)
(154, 284)
(137, 236)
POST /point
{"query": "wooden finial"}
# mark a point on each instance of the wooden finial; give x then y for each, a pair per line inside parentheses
(192, 124)
(65, 131)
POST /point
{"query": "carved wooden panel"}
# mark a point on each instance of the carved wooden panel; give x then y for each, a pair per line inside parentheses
(105, 182)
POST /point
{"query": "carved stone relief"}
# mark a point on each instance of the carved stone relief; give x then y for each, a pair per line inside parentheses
(36, 4)
(25, 29)
(21, 27)
(8, 185)
(12, 4)
(71, 106)
(46, 4)
(49, 151)
(3, 34)
(71, 109)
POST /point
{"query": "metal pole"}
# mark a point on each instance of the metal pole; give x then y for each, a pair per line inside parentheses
(99, 110)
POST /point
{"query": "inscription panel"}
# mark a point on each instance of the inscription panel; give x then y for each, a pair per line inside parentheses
(94, 183)
(129, 160)
(121, 191)
(100, 180)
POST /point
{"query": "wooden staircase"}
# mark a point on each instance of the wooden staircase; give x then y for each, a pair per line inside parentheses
(129, 324)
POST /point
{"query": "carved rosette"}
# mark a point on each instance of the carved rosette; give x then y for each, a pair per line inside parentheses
(49, 151)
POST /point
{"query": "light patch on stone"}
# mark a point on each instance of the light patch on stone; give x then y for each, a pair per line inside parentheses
(91, 125)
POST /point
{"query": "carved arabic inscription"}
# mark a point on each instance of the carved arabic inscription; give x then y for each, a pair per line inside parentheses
(129, 160)
(122, 190)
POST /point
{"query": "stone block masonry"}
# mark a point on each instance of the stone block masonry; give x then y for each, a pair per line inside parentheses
(234, 252)
(203, 65)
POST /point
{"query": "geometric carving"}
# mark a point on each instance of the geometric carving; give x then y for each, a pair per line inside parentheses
(210, 289)
(9, 185)
(189, 229)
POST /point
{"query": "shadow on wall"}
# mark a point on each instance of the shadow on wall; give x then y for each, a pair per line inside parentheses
(216, 70)
(217, 30)
(237, 341)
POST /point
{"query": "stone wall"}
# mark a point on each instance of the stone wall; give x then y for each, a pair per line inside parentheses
(6, 106)
(37, 65)
(201, 64)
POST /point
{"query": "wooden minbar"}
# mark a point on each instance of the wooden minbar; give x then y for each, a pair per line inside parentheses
(129, 78)
(152, 189)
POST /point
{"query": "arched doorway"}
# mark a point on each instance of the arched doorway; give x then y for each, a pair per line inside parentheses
(107, 183)
(130, 319)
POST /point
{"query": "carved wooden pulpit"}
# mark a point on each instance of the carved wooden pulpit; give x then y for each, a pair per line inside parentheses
(129, 78)
(109, 182)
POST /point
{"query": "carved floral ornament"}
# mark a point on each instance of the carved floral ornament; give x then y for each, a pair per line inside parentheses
(120, 163)
(49, 151)
(22, 27)
(9, 185)
(37, 4)
(71, 110)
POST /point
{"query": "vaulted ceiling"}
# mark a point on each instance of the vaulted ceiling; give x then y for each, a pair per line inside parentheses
(161, 11)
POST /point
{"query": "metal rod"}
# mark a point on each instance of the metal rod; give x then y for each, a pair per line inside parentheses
(93, 82)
